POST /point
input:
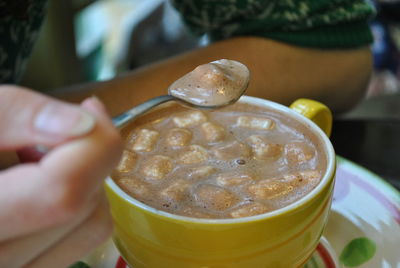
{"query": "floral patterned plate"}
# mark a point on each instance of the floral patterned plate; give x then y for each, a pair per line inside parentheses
(364, 225)
(363, 229)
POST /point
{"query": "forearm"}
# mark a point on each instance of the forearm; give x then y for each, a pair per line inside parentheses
(279, 72)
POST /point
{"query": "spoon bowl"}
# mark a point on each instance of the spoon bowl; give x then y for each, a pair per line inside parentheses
(209, 86)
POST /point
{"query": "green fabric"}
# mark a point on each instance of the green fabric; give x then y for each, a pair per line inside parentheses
(311, 23)
(20, 21)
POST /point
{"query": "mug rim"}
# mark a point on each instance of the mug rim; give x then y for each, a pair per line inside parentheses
(328, 176)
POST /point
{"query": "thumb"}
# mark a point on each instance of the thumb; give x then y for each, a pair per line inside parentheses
(29, 118)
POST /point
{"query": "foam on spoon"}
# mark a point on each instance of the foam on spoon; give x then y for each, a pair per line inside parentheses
(213, 84)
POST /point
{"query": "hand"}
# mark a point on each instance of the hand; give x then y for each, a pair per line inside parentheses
(52, 209)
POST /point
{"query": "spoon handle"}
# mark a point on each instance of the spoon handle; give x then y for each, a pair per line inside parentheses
(122, 119)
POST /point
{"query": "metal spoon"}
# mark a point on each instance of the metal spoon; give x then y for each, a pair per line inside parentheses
(209, 86)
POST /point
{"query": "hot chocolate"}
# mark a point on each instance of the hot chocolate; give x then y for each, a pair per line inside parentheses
(238, 161)
(212, 84)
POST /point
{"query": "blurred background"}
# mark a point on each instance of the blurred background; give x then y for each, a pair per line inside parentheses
(89, 40)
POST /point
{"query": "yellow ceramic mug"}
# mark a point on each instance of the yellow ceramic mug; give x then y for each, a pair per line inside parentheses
(287, 237)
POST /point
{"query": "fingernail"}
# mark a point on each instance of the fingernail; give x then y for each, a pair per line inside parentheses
(65, 120)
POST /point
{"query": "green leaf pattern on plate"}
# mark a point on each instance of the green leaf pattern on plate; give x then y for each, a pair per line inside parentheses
(79, 264)
(357, 252)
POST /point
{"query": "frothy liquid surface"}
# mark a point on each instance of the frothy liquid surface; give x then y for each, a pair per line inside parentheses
(238, 161)
(213, 84)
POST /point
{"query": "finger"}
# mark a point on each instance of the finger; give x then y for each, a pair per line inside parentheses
(34, 153)
(95, 105)
(61, 184)
(92, 157)
(79, 242)
(19, 251)
(29, 118)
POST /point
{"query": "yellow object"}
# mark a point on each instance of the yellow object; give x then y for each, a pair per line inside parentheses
(148, 238)
(316, 111)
